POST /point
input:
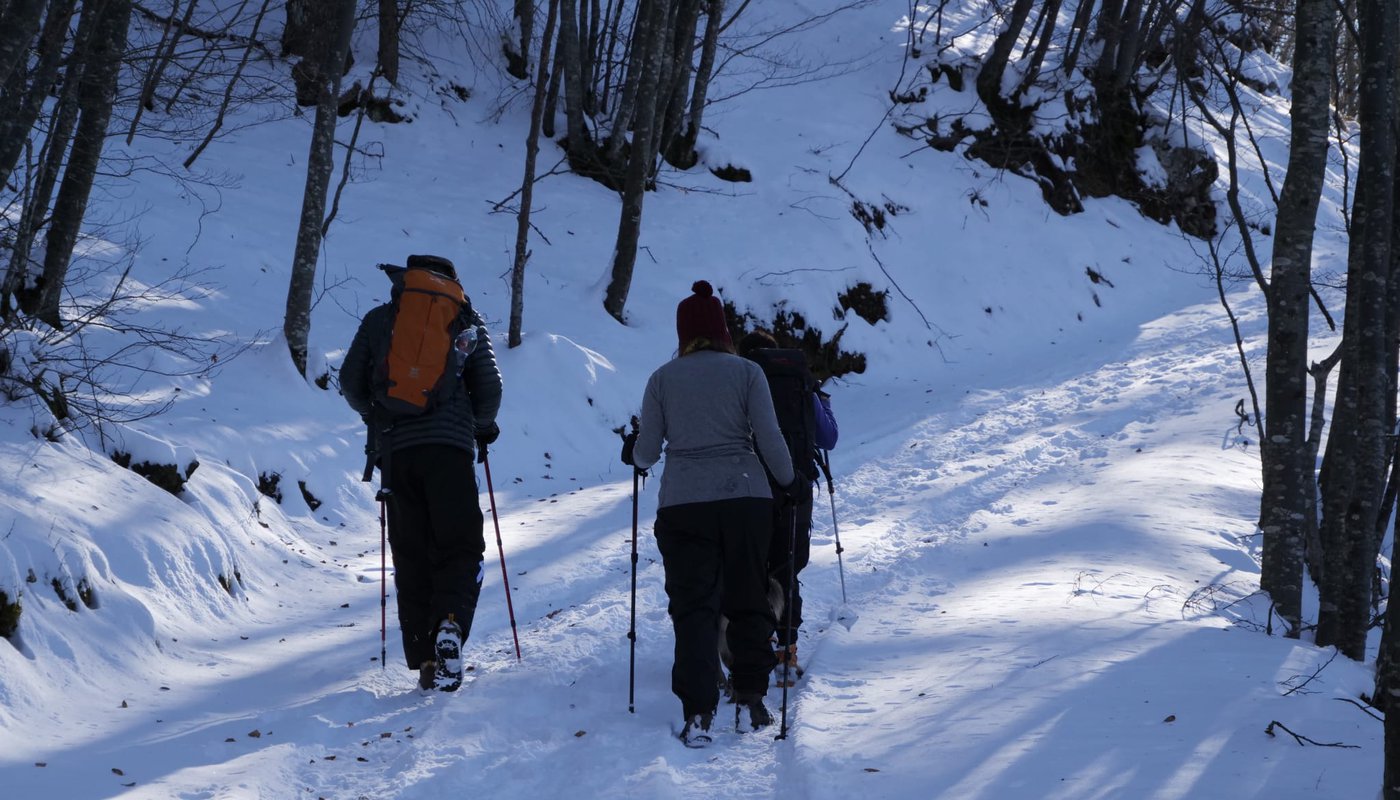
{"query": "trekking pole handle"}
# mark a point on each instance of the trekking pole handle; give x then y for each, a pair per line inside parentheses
(825, 463)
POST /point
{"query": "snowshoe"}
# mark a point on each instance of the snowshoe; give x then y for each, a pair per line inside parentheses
(696, 733)
(447, 669)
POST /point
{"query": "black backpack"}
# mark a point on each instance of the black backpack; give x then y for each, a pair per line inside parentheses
(791, 384)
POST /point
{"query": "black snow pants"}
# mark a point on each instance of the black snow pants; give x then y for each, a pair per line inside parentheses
(715, 555)
(798, 544)
(435, 536)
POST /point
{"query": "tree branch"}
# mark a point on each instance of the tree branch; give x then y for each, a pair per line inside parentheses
(1305, 740)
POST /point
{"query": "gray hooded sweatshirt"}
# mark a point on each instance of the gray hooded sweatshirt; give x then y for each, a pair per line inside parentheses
(710, 408)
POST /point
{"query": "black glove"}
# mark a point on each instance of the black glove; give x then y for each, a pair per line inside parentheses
(484, 437)
(629, 443)
(786, 496)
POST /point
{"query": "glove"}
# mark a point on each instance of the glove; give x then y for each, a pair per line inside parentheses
(786, 496)
(629, 443)
(484, 437)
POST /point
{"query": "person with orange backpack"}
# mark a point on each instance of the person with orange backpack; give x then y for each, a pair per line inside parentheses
(422, 374)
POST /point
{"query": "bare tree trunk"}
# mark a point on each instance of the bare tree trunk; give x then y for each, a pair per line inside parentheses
(590, 75)
(994, 67)
(389, 40)
(1078, 31)
(296, 326)
(517, 47)
(1047, 34)
(647, 15)
(667, 69)
(18, 119)
(311, 30)
(96, 94)
(1288, 504)
(527, 186)
(683, 149)
(1351, 494)
(611, 33)
(1109, 32)
(1320, 372)
(1125, 64)
(683, 43)
(298, 32)
(42, 183)
(650, 29)
(581, 152)
(551, 102)
(1387, 691)
(585, 60)
(18, 25)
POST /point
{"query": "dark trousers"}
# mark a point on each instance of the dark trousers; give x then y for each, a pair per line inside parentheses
(715, 555)
(435, 536)
(788, 552)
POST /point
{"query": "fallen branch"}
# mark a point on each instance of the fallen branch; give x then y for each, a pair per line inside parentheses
(1364, 707)
(1305, 740)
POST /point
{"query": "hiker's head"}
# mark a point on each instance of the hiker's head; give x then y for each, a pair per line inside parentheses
(756, 339)
(700, 323)
(437, 264)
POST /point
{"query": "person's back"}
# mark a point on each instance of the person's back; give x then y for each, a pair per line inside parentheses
(707, 400)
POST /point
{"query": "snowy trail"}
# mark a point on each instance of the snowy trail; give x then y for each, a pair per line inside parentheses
(1007, 611)
(988, 467)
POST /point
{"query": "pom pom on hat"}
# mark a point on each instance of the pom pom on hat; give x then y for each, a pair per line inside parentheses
(703, 288)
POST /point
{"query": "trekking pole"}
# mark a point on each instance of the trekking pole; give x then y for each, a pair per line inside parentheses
(632, 628)
(637, 474)
(787, 610)
(382, 497)
(505, 579)
(825, 463)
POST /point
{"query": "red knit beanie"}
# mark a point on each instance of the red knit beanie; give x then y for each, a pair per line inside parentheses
(701, 315)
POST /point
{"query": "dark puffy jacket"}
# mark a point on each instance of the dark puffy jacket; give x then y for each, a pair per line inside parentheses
(470, 408)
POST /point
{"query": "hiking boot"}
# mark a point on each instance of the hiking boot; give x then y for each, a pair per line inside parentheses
(787, 670)
(752, 704)
(696, 733)
(447, 669)
(426, 675)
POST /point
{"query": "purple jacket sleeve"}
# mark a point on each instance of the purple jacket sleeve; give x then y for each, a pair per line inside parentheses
(827, 431)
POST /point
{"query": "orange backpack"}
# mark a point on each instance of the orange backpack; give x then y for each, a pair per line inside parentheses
(433, 333)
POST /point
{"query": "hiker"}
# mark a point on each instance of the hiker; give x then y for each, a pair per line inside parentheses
(714, 513)
(425, 456)
(804, 415)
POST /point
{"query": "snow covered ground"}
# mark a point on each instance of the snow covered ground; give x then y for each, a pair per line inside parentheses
(1045, 498)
